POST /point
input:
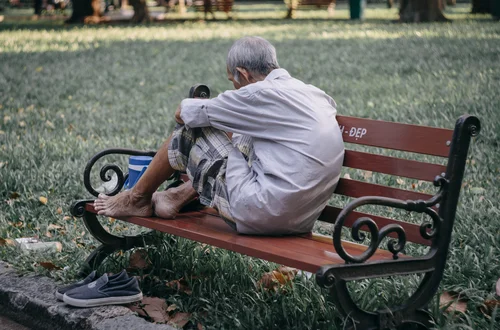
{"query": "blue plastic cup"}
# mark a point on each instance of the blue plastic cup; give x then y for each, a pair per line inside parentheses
(137, 165)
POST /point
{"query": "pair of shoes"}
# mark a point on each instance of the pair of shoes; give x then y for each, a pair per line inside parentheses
(91, 292)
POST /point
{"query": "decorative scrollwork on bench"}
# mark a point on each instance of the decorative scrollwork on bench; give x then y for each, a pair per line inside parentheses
(428, 229)
(106, 169)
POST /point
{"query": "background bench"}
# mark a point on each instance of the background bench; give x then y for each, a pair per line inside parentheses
(293, 5)
(433, 155)
(211, 6)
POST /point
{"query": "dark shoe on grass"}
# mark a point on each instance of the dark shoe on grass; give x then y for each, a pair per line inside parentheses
(90, 278)
(103, 291)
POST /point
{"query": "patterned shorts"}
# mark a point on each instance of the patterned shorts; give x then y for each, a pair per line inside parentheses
(202, 153)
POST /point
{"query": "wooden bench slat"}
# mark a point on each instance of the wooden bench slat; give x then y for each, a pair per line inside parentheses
(412, 231)
(393, 166)
(316, 3)
(397, 136)
(330, 214)
(354, 188)
(300, 251)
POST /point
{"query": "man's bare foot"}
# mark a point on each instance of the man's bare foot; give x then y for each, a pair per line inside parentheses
(169, 202)
(125, 204)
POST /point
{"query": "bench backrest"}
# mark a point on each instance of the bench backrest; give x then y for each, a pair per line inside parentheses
(316, 2)
(214, 5)
(411, 139)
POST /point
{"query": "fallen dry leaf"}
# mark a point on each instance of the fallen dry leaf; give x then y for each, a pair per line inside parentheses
(347, 176)
(199, 326)
(43, 200)
(400, 181)
(488, 307)
(54, 227)
(181, 285)
(50, 124)
(59, 210)
(152, 308)
(139, 259)
(14, 195)
(18, 224)
(179, 320)
(7, 241)
(498, 287)
(452, 302)
(367, 174)
(277, 278)
(66, 218)
(172, 307)
(49, 265)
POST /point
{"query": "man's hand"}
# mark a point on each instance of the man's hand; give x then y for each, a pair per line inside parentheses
(178, 118)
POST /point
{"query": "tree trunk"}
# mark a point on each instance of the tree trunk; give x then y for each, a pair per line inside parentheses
(414, 11)
(182, 7)
(38, 7)
(85, 11)
(141, 12)
(451, 2)
(481, 6)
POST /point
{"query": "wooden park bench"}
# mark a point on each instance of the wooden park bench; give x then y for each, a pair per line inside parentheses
(337, 261)
(211, 6)
(293, 5)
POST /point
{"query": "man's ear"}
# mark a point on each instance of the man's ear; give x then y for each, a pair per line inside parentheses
(245, 76)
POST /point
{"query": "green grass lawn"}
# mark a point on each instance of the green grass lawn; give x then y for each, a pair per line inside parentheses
(68, 92)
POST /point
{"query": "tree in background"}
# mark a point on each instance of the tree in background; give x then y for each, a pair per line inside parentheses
(141, 12)
(38, 7)
(481, 6)
(85, 11)
(414, 11)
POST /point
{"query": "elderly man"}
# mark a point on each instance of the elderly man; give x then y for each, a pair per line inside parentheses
(276, 173)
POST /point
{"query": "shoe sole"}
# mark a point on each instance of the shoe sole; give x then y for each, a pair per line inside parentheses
(59, 296)
(101, 301)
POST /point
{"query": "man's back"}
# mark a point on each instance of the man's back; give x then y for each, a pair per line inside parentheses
(298, 154)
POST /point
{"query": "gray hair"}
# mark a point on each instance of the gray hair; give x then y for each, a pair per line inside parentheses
(255, 54)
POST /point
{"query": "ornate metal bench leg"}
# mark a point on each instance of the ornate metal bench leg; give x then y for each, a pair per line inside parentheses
(110, 243)
(403, 317)
(409, 315)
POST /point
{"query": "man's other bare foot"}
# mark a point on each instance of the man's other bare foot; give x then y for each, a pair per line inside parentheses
(125, 204)
(169, 202)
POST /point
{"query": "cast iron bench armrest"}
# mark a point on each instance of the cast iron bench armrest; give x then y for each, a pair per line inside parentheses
(327, 274)
(104, 173)
(428, 230)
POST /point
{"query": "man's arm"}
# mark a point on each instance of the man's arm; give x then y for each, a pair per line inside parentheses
(233, 111)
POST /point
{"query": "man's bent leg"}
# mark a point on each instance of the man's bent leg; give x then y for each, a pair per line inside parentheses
(138, 200)
(202, 153)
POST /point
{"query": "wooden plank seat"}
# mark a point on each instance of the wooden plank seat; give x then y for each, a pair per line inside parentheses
(293, 5)
(211, 6)
(441, 158)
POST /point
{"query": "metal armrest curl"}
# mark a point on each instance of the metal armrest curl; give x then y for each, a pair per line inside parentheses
(104, 173)
(428, 230)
